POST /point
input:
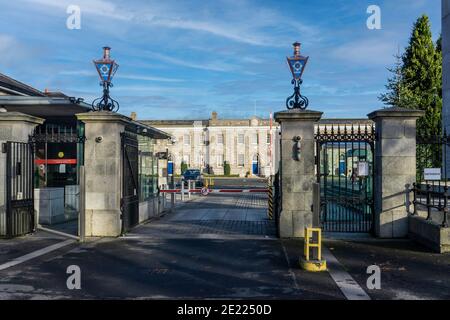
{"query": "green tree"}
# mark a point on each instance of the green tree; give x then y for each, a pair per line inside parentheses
(183, 167)
(226, 169)
(417, 84)
(422, 77)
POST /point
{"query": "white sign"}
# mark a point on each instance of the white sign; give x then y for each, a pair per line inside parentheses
(363, 169)
(62, 168)
(432, 174)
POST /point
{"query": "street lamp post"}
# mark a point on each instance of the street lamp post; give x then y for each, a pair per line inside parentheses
(297, 64)
(106, 68)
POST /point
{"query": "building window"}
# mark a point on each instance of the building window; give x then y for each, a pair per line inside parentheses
(269, 138)
(187, 159)
(220, 160)
(203, 138)
(220, 138)
(241, 138)
(255, 138)
(240, 159)
(187, 139)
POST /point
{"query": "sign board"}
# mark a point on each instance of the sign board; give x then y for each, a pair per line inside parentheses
(363, 168)
(433, 174)
(170, 167)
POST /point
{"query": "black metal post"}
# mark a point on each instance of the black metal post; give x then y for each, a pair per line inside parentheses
(428, 202)
(445, 212)
(415, 199)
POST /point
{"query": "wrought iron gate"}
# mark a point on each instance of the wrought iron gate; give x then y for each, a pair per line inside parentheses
(19, 214)
(345, 165)
(130, 188)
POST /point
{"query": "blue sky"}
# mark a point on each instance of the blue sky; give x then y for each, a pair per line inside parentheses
(184, 59)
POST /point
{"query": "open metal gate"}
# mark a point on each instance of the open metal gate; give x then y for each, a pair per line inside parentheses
(345, 165)
(130, 187)
(19, 218)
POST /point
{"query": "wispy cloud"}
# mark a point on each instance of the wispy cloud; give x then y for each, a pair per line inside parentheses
(128, 76)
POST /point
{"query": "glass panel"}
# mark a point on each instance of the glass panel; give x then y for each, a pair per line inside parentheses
(148, 168)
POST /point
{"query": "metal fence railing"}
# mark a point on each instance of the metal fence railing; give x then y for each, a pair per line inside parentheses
(433, 199)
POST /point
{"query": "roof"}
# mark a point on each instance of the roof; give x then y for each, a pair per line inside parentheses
(44, 107)
(15, 87)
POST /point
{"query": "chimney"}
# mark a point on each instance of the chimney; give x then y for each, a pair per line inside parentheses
(214, 115)
(133, 116)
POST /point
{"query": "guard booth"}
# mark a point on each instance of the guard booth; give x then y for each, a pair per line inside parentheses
(42, 166)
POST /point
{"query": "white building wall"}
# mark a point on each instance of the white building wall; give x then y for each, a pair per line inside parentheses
(230, 149)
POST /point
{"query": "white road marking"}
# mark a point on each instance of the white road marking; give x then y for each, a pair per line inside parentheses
(348, 286)
(289, 267)
(35, 254)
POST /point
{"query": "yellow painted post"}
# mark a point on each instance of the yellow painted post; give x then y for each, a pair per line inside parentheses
(306, 262)
(270, 200)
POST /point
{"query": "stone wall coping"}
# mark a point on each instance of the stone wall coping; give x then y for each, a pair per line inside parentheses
(298, 115)
(103, 116)
(19, 116)
(396, 112)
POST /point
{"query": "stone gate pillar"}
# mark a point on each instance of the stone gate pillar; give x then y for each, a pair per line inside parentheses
(297, 174)
(395, 166)
(103, 172)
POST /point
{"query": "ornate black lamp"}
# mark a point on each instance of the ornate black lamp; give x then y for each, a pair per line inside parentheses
(297, 64)
(106, 68)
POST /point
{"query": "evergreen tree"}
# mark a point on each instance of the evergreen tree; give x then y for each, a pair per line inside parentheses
(417, 84)
(422, 76)
(395, 86)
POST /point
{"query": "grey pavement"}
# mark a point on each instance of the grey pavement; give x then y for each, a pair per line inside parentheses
(221, 246)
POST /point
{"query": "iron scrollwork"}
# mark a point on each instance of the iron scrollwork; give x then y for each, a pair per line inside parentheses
(105, 102)
(297, 100)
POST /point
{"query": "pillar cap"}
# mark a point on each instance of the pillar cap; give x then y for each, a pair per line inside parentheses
(396, 112)
(298, 115)
(19, 116)
(102, 116)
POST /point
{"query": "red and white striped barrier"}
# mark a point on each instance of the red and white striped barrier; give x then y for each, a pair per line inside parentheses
(205, 191)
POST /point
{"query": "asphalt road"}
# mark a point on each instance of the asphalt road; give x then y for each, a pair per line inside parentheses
(219, 246)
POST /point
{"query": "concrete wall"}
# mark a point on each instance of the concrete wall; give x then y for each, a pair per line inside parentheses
(151, 208)
(297, 175)
(429, 233)
(395, 167)
(103, 163)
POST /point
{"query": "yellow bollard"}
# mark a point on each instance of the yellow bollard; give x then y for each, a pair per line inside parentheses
(314, 264)
(270, 201)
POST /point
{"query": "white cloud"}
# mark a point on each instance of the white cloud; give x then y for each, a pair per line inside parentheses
(248, 24)
(372, 52)
(128, 76)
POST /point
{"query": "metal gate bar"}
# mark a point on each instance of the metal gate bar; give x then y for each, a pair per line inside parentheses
(130, 185)
(346, 198)
(19, 189)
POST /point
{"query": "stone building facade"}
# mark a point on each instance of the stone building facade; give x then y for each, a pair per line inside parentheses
(248, 145)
